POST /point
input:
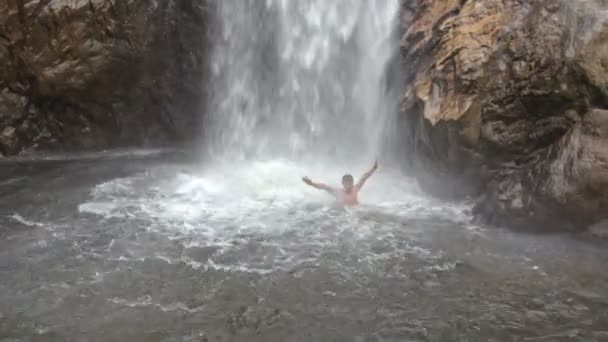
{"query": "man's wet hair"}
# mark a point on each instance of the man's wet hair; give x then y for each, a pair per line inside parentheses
(347, 178)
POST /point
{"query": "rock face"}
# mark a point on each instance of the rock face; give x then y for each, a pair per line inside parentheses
(507, 101)
(91, 74)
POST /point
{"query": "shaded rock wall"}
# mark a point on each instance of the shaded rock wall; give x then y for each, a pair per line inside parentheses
(507, 101)
(92, 74)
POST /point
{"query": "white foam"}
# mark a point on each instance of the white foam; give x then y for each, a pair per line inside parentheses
(140, 302)
(442, 267)
(238, 268)
(188, 261)
(25, 221)
(146, 301)
(228, 205)
(106, 209)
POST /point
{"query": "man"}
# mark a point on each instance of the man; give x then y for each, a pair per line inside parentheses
(348, 194)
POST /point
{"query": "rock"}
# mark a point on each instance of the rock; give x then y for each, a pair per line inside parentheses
(64, 65)
(8, 140)
(507, 101)
(8, 132)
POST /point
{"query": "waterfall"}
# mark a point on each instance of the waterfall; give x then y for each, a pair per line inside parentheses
(302, 78)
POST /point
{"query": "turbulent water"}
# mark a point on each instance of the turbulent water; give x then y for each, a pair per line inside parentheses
(151, 246)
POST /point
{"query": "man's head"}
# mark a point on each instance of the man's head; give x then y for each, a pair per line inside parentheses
(348, 182)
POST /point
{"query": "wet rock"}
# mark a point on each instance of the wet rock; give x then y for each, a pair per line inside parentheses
(8, 140)
(507, 101)
(98, 74)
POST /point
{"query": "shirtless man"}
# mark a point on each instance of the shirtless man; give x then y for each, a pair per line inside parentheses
(348, 194)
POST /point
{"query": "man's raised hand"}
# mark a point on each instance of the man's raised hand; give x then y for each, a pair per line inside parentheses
(366, 175)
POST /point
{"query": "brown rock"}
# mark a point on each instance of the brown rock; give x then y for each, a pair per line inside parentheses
(507, 101)
(101, 73)
(8, 140)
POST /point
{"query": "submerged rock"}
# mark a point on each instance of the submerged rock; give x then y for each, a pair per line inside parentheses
(100, 73)
(508, 101)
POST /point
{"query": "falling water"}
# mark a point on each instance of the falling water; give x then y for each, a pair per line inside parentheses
(296, 78)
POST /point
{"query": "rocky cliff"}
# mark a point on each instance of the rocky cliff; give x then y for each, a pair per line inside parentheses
(92, 74)
(507, 101)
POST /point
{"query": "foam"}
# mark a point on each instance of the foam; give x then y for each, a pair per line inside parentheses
(25, 221)
(232, 204)
(146, 301)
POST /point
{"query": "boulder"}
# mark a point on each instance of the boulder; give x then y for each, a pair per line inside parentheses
(97, 74)
(506, 101)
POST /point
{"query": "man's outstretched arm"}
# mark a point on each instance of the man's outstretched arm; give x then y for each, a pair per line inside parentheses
(319, 186)
(366, 175)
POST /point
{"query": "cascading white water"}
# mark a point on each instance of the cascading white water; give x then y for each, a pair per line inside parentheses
(295, 78)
